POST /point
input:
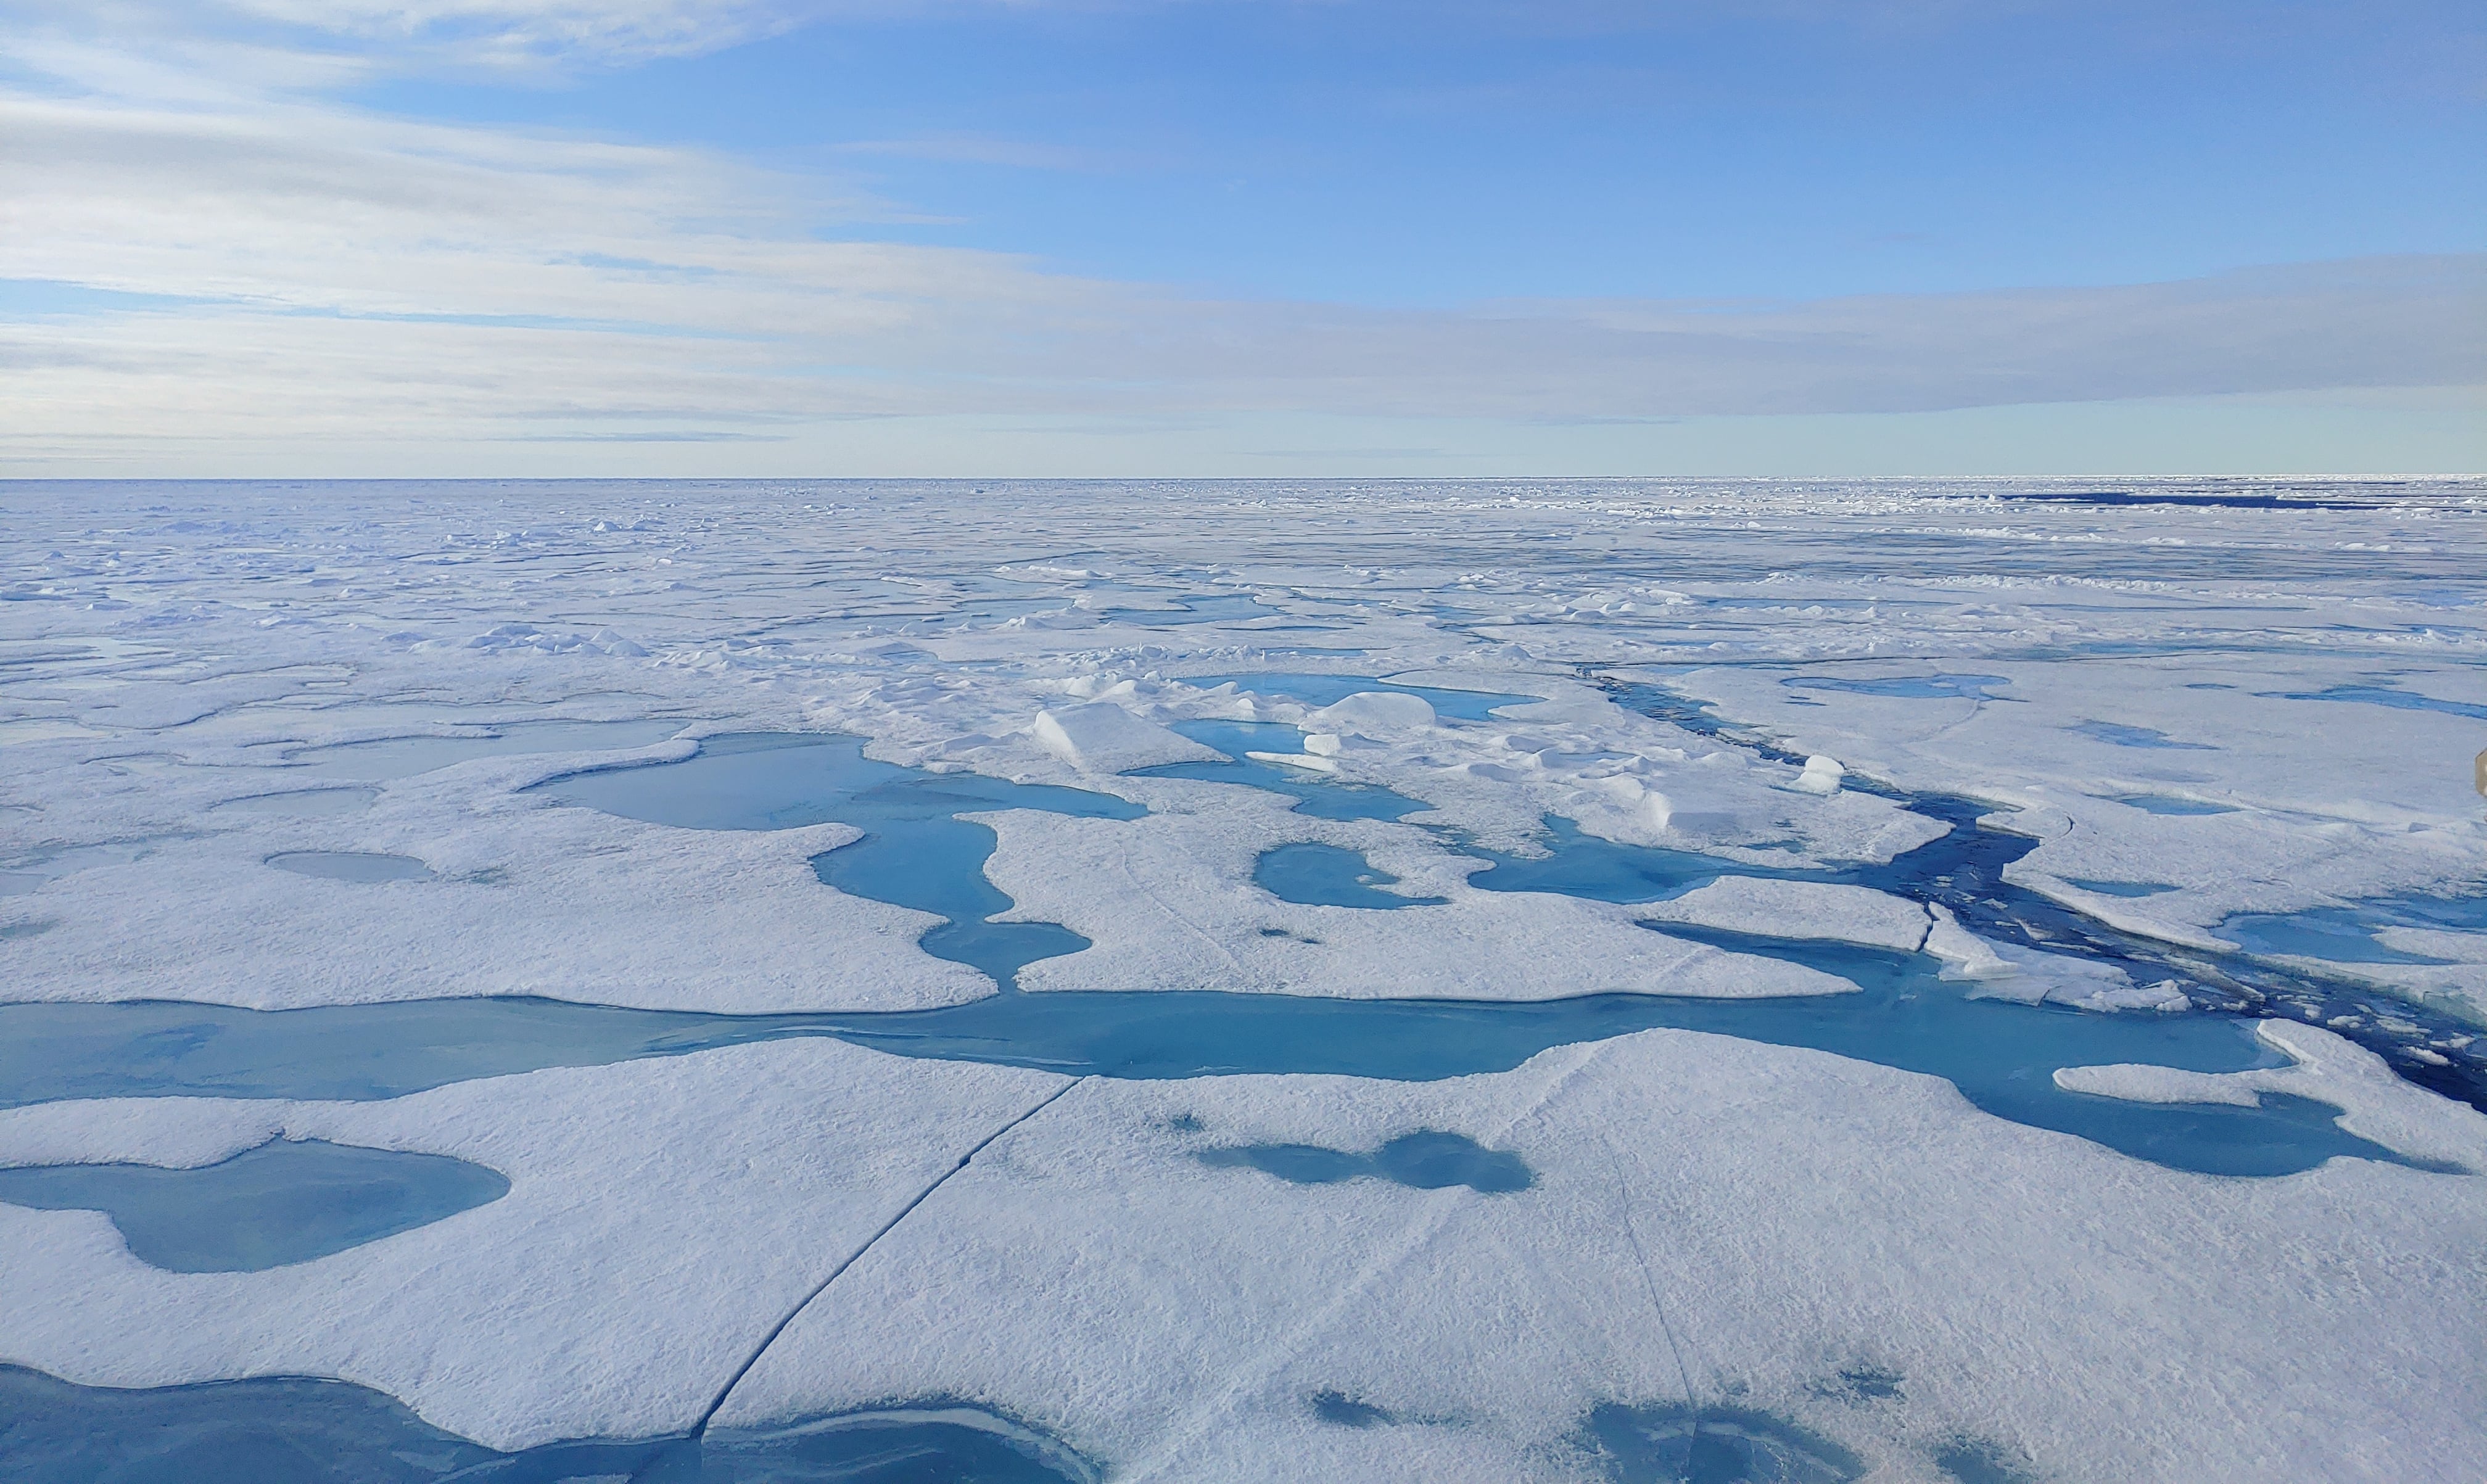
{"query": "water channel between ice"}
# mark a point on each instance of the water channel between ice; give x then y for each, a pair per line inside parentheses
(1963, 871)
(917, 852)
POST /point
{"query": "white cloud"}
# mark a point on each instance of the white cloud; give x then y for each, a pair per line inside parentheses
(502, 35)
(2391, 321)
(525, 31)
(313, 271)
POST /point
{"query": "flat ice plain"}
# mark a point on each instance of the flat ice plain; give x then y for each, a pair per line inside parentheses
(1973, 982)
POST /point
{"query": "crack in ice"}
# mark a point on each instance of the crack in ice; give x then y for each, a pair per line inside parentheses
(715, 1403)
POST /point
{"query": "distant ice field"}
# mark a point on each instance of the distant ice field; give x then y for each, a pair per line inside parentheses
(1583, 980)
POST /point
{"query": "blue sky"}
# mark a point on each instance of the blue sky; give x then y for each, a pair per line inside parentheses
(1212, 236)
(1393, 153)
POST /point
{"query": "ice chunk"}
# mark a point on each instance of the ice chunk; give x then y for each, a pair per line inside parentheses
(1964, 954)
(1821, 775)
(1787, 909)
(2032, 977)
(1101, 737)
(1374, 714)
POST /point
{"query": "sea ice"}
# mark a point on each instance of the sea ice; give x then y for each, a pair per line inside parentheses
(1731, 742)
(662, 1216)
(1183, 913)
(1708, 1225)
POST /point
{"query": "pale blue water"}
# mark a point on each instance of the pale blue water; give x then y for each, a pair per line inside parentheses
(401, 757)
(2462, 909)
(2346, 934)
(2118, 734)
(1427, 1160)
(295, 1431)
(1316, 794)
(916, 851)
(350, 865)
(2332, 932)
(1317, 875)
(2002, 1057)
(286, 1201)
(1319, 690)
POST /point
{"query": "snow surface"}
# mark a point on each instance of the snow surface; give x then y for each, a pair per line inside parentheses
(1168, 903)
(1706, 1213)
(2250, 711)
(522, 898)
(662, 1215)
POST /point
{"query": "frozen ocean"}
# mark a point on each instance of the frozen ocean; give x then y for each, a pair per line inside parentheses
(1501, 981)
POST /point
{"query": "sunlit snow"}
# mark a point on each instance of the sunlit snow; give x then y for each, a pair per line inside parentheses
(1586, 981)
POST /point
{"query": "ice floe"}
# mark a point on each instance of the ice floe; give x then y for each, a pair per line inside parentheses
(662, 1216)
(1707, 1226)
(1998, 790)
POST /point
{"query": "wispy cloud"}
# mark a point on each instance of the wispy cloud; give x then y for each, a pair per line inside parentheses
(2391, 321)
(366, 35)
(241, 259)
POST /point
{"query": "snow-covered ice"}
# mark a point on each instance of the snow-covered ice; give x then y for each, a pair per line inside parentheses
(1709, 1223)
(1868, 765)
(662, 1215)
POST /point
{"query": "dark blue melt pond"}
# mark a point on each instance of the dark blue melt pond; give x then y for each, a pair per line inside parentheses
(915, 850)
(288, 1430)
(1314, 875)
(286, 1201)
(1319, 690)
